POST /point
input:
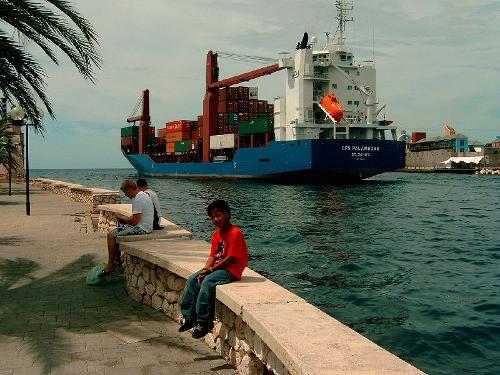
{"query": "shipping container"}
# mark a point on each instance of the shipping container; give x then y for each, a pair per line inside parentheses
(178, 126)
(222, 107)
(182, 146)
(260, 125)
(130, 131)
(232, 118)
(219, 142)
(162, 132)
(170, 147)
(262, 106)
(161, 140)
(177, 136)
(417, 136)
(128, 141)
(152, 131)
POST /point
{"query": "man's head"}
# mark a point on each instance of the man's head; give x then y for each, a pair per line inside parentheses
(142, 184)
(129, 188)
(220, 213)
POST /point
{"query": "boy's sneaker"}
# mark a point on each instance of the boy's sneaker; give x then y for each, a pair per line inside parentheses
(201, 330)
(187, 325)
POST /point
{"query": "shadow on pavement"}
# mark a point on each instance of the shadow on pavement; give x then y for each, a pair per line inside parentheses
(13, 240)
(42, 311)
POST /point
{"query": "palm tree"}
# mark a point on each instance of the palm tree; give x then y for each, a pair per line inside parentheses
(6, 145)
(51, 25)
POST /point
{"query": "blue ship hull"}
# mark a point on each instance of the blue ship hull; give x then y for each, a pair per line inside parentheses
(306, 161)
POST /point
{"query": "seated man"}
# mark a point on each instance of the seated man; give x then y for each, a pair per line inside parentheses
(143, 186)
(228, 258)
(141, 221)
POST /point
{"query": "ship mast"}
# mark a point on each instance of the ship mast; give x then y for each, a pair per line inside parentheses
(344, 8)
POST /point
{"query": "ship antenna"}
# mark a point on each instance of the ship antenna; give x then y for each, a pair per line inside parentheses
(344, 7)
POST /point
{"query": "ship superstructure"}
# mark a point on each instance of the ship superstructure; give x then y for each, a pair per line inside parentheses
(312, 74)
(324, 129)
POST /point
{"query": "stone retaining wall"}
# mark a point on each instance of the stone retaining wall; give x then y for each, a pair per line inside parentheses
(231, 337)
(79, 193)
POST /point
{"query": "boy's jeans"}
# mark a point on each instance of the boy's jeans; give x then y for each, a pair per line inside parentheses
(198, 300)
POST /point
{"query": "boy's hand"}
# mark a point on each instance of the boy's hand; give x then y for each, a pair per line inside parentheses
(204, 272)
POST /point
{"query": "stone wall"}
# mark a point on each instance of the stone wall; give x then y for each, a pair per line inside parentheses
(231, 337)
(79, 193)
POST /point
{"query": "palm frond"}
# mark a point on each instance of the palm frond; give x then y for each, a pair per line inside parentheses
(21, 77)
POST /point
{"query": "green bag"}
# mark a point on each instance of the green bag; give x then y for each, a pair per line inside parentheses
(93, 276)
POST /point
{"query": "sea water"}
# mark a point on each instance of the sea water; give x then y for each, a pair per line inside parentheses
(411, 261)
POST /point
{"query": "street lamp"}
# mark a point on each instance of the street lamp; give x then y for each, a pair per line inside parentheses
(8, 142)
(17, 114)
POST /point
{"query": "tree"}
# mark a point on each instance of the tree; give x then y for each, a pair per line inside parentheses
(51, 25)
(6, 144)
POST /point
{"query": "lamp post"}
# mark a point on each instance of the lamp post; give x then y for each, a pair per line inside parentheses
(17, 114)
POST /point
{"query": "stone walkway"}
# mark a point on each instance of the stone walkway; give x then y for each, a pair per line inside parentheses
(52, 323)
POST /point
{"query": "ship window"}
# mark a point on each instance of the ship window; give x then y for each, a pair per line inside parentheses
(315, 58)
(356, 102)
(347, 71)
(334, 86)
(349, 87)
(357, 71)
(342, 57)
(356, 88)
(349, 102)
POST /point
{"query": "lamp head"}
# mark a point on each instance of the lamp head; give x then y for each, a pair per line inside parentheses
(17, 114)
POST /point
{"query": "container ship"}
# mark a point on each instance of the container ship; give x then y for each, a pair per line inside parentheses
(324, 129)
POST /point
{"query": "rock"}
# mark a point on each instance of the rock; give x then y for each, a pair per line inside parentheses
(243, 347)
(133, 280)
(147, 300)
(250, 365)
(217, 328)
(172, 297)
(150, 289)
(157, 302)
(228, 317)
(180, 283)
(141, 284)
(138, 269)
(239, 327)
(171, 282)
(145, 274)
(209, 340)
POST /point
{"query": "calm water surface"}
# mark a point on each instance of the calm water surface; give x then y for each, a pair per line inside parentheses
(412, 261)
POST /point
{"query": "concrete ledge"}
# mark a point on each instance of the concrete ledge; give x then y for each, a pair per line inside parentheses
(303, 339)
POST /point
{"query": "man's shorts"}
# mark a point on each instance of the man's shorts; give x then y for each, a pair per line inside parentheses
(127, 230)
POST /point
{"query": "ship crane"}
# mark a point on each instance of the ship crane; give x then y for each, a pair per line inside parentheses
(213, 85)
(144, 120)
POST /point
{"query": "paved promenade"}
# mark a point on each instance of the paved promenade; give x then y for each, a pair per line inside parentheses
(51, 323)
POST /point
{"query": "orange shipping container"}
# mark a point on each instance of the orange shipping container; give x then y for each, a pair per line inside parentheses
(162, 132)
(177, 136)
(178, 126)
(170, 147)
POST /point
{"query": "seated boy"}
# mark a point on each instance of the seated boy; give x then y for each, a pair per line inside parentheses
(141, 222)
(228, 258)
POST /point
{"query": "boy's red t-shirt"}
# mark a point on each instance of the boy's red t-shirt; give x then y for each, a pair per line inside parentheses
(231, 243)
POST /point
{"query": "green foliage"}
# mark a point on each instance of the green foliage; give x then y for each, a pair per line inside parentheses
(51, 25)
(6, 143)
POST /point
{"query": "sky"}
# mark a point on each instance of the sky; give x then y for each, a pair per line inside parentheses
(437, 63)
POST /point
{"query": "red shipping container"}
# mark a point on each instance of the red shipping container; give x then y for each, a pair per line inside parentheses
(161, 140)
(222, 107)
(177, 126)
(127, 141)
(222, 95)
(152, 131)
(417, 136)
(170, 147)
(177, 136)
(162, 132)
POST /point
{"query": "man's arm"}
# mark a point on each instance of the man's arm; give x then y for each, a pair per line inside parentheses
(132, 220)
(210, 266)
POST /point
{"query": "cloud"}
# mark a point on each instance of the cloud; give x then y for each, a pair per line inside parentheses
(433, 60)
